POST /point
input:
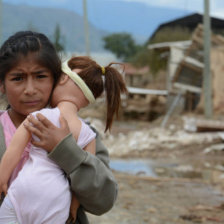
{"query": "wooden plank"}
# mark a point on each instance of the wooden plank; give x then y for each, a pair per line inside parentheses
(200, 125)
(143, 91)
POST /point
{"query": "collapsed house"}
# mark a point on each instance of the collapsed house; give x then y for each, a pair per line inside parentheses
(185, 72)
(135, 76)
(142, 102)
(190, 22)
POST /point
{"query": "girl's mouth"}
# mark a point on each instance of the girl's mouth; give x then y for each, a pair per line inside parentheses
(32, 103)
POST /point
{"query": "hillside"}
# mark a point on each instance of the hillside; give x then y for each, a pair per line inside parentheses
(23, 17)
(137, 18)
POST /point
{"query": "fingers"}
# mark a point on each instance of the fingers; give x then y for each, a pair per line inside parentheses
(32, 124)
(32, 120)
(44, 120)
(38, 125)
(2, 195)
(41, 121)
(47, 133)
(5, 188)
(32, 129)
(39, 144)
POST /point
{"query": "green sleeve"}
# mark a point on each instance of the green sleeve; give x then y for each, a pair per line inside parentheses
(2, 150)
(2, 142)
(91, 178)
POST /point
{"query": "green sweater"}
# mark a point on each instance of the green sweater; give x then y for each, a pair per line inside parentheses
(90, 176)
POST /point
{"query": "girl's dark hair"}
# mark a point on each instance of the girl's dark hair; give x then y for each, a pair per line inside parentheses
(24, 42)
(92, 75)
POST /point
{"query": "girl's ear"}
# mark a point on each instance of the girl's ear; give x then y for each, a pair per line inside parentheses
(2, 87)
(63, 79)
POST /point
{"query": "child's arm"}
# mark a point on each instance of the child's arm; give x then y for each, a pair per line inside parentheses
(12, 155)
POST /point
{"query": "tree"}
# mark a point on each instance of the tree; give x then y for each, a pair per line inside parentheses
(121, 44)
(57, 39)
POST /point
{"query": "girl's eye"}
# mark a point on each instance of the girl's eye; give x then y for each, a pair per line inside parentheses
(18, 78)
(41, 76)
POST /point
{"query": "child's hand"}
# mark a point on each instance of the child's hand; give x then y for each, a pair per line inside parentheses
(3, 188)
(3, 182)
(74, 206)
(48, 133)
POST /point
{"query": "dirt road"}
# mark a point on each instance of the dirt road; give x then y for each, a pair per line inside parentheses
(195, 194)
(164, 201)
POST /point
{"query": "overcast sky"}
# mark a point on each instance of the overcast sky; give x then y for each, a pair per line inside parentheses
(216, 6)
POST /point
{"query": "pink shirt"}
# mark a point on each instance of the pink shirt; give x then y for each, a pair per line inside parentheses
(9, 130)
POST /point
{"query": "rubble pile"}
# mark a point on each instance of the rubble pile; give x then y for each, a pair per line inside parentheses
(153, 138)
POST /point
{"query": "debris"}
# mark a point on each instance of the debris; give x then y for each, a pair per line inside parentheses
(155, 139)
(193, 218)
(216, 147)
(221, 206)
(214, 219)
(201, 207)
(221, 134)
(200, 125)
(200, 219)
(152, 210)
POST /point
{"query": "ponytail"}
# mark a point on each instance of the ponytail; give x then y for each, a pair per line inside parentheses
(114, 87)
(100, 79)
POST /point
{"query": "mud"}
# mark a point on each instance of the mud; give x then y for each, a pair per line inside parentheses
(187, 184)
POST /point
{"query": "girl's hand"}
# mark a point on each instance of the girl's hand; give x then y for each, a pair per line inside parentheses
(49, 135)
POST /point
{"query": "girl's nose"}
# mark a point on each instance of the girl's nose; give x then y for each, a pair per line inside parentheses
(30, 87)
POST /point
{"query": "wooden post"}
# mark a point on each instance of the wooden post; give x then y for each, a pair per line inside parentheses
(86, 28)
(207, 82)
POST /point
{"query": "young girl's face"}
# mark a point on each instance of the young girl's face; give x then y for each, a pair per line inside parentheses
(28, 87)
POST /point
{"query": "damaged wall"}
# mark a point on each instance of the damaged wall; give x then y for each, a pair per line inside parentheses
(217, 70)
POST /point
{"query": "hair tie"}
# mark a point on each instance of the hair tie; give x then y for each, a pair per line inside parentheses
(103, 70)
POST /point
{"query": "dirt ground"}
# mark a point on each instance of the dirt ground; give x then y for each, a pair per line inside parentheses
(194, 196)
(164, 201)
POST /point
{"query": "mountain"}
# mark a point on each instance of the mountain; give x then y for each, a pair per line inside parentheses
(23, 17)
(138, 19)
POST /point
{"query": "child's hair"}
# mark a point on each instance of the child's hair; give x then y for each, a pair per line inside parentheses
(99, 79)
(24, 42)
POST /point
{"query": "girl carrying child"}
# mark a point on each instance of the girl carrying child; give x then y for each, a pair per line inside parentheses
(29, 70)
